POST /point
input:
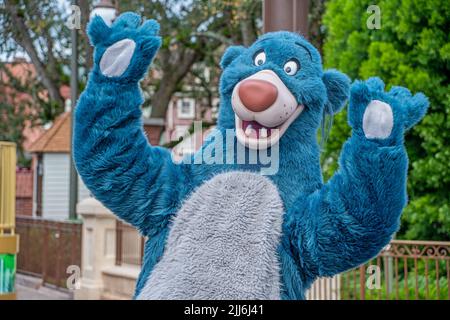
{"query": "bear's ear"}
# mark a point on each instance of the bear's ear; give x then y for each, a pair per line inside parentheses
(230, 54)
(338, 90)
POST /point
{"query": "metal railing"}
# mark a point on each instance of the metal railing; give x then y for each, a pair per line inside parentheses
(325, 289)
(404, 270)
(129, 245)
(47, 248)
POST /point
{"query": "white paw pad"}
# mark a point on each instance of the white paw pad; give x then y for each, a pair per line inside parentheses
(378, 120)
(117, 57)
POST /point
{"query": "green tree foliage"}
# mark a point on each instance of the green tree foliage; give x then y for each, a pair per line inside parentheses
(410, 49)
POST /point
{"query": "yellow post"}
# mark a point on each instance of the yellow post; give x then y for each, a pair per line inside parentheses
(9, 241)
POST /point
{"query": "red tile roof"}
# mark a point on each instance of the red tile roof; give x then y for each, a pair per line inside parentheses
(55, 139)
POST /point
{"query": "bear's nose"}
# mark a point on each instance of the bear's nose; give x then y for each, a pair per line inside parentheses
(257, 95)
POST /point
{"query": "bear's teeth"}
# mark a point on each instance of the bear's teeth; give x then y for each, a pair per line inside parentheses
(249, 130)
(263, 133)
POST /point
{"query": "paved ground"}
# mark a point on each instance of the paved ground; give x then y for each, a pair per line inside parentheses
(25, 293)
(31, 288)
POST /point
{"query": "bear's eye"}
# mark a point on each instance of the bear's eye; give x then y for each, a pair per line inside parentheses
(259, 58)
(291, 67)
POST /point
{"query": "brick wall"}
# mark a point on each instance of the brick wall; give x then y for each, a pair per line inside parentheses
(153, 133)
(24, 192)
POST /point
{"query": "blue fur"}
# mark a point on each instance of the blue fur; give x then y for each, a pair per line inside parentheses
(328, 228)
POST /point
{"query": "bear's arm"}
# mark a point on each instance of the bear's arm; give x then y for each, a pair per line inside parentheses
(138, 182)
(353, 216)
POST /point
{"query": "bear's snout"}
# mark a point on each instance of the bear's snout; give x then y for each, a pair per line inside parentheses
(264, 108)
(257, 95)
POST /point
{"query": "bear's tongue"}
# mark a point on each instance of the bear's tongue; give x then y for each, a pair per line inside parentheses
(254, 129)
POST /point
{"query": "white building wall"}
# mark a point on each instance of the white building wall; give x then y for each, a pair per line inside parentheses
(55, 186)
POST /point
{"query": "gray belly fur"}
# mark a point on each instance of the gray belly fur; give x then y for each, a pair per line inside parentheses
(222, 243)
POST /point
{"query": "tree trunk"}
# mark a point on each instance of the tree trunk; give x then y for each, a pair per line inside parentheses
(171, 79)
(162, 96)
(248, 32)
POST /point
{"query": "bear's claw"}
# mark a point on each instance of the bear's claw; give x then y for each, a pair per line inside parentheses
(383, 115)
(125, 50)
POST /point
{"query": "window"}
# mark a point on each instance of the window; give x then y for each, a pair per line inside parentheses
(186, 108)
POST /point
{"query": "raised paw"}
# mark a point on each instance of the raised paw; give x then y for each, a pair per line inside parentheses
(125, 50)
(377, 114)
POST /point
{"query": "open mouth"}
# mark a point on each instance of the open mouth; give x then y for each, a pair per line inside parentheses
(253, 129)
(257, 136)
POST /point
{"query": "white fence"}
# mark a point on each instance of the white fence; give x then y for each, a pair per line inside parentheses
(325, 289)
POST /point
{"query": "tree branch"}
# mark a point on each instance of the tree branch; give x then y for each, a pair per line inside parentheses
(215, 36)
(23, 38)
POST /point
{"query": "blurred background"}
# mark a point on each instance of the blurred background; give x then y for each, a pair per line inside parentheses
(45, 58)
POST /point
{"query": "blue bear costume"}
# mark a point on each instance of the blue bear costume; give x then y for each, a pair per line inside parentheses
(218, 231)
